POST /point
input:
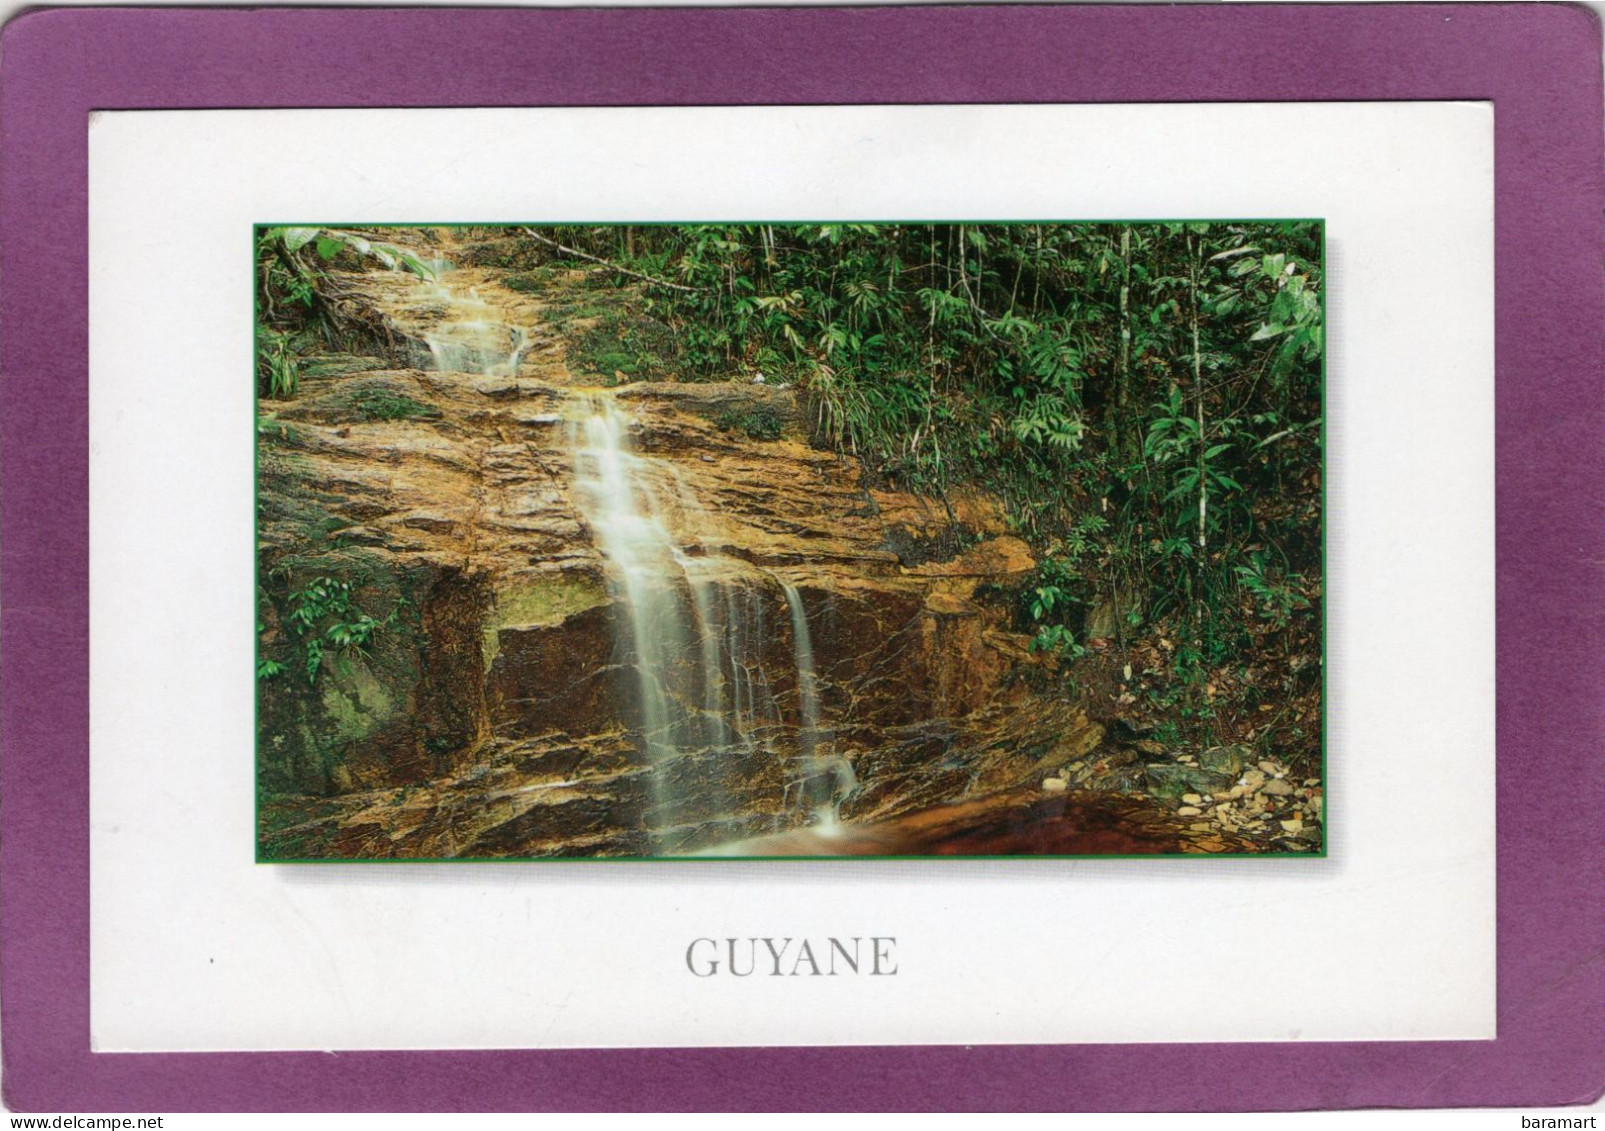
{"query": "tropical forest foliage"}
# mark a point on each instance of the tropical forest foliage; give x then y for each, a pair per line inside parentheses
(1145, 397)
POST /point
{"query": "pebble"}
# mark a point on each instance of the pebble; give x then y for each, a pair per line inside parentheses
(1296, 825)
(1188, 811)
(1192, 799)
(1055, 785)
(1276, 787)
(1269, 767)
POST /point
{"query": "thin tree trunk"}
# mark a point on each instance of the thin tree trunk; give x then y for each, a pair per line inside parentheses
(1123, 379)
(1036, 273)
(964, 279)
(980, 271)
(1198, 389)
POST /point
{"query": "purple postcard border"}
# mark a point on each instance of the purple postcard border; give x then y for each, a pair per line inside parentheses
(1539, 64)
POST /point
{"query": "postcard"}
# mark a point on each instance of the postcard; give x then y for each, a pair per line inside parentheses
(626, 533)
(750, 559)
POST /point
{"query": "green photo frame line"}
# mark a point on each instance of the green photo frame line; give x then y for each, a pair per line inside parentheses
(802, 540)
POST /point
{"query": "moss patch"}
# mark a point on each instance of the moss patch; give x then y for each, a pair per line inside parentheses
(623, 340)
(356, 703)
(530, 282)
(759, 423)
(543, 601)
(339, 364)
(383, 404)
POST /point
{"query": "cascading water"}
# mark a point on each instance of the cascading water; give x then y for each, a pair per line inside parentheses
(807, 680)
(620, 504)
(469, 338)
(826, 779)
(693, 622)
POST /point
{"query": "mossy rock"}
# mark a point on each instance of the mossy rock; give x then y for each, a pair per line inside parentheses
(758, 423)
(1228, 760)
(539, 601)
(1173, 780)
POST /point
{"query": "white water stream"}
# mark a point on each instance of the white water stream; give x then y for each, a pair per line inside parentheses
(693, 622)
(696, 622)
(469, 338)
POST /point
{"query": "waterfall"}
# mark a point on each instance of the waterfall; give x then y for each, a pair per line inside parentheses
(477, 345)
(830, 771)
(693, 620)
(807, 680)
(700, 634)
(469, 338)
(617, 498)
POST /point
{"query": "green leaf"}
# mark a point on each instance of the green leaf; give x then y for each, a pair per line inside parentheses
(329, 247)
(411, 262)
(297, 238)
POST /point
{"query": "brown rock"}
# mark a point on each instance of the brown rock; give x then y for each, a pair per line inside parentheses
(557, 677)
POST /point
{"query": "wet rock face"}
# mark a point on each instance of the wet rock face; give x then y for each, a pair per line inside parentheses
(894, 654)
(404, 708)
(449, 712)
(719, 401)
(870, 653)
(557, 677)
(500, 709)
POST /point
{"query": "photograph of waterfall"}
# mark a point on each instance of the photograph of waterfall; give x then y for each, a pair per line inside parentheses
(773, 540)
